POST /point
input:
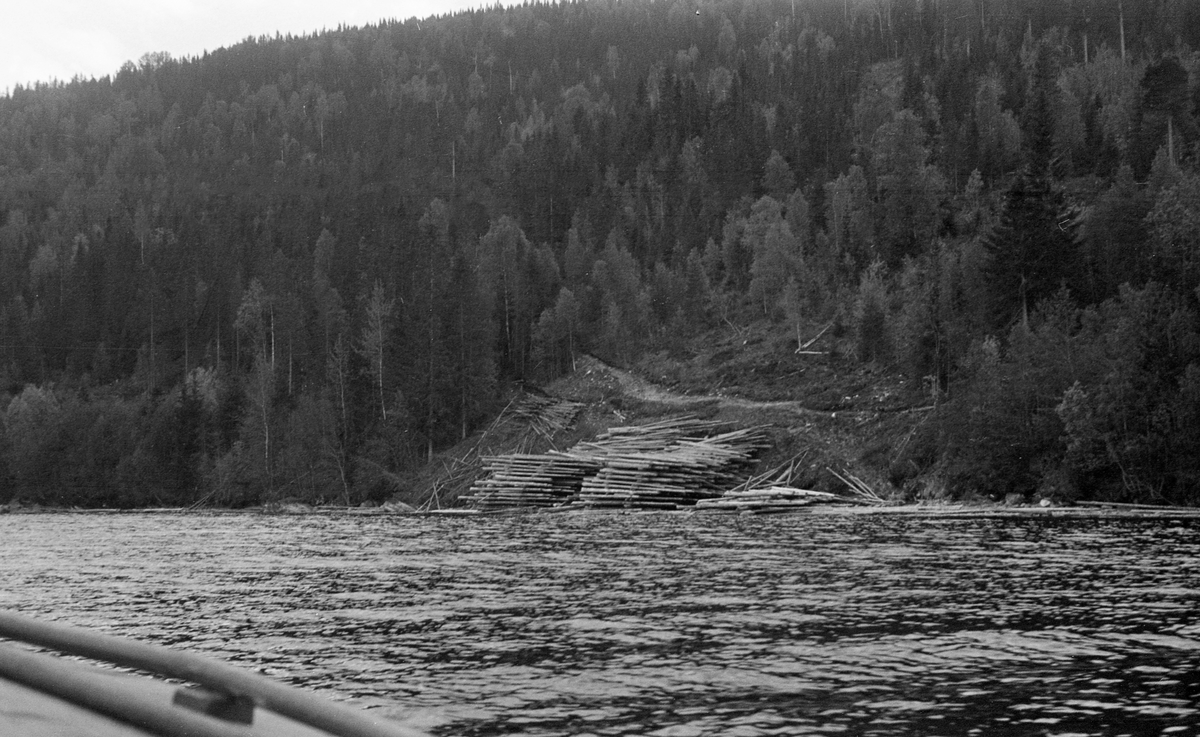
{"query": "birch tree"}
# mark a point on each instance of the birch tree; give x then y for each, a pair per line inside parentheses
(377, 326)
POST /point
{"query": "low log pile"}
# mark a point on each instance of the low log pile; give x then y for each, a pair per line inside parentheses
(662, 465)
(770, 500)
(773, 492)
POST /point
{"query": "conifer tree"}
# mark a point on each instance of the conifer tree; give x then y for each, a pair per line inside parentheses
(1031, 253)
(1037, 119)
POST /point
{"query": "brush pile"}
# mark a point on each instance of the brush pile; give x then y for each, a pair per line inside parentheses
(675, 462)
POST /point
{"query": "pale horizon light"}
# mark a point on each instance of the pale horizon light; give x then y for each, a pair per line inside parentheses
(59, 40)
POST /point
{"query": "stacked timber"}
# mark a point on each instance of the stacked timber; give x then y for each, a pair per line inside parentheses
(661, 465)
(681, 472)
(529, 480)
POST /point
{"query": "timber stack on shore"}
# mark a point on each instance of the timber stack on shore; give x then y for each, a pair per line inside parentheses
(525, 426)
(663, 465)
(679, 474)
(529, 480)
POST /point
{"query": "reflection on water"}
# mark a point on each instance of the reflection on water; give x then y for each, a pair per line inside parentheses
(658, 624)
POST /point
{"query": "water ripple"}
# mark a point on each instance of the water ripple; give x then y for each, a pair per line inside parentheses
(658, 624)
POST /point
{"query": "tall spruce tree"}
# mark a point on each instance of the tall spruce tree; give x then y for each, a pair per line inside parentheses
(1037, 119)
(1031, 252)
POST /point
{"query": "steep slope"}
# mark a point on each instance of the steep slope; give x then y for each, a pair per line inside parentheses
(824, 412)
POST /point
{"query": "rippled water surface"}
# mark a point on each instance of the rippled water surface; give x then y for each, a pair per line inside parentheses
(658, 624)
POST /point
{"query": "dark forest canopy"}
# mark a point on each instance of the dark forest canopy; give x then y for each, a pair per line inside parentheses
(296, 267)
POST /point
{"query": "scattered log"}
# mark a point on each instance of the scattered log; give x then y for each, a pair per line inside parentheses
(802, 348)
(1126, 505)
(859, 488)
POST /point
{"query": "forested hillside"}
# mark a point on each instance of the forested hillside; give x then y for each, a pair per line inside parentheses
(297, 267)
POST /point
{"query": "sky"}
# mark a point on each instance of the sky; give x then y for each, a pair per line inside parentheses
(41, 40)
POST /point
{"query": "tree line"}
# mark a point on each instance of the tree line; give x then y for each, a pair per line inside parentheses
(299, 266)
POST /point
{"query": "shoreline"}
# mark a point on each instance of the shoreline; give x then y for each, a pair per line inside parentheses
(929, 511)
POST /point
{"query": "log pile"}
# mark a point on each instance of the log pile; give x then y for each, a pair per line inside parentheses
(547, 415)
(679, 474)
(773, 492)
(648, 438)
(529, 480)
(527, 425)
(770, 500)
(662, 465)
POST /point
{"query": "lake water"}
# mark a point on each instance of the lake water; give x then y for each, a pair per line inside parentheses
(658, 624)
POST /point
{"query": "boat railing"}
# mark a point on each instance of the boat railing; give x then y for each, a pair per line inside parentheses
(220, 704)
